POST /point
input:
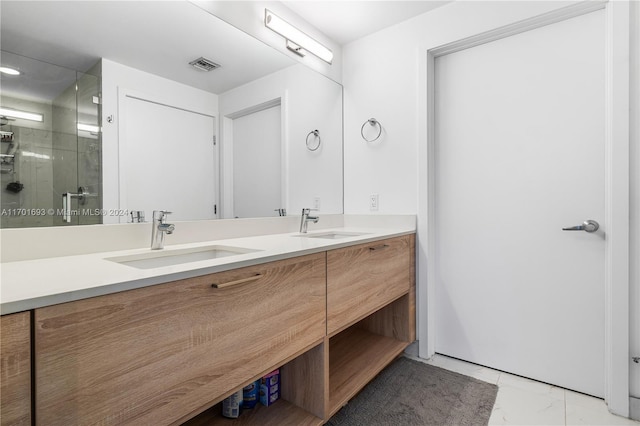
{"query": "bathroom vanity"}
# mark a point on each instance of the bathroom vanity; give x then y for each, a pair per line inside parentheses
(331, 312)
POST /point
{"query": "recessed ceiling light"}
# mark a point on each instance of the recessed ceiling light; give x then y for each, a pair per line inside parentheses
(9, 71)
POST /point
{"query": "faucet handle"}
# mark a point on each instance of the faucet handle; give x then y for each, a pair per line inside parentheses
(164, 214)
(160, 215)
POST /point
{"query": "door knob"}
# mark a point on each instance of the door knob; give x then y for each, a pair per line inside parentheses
(587, 226)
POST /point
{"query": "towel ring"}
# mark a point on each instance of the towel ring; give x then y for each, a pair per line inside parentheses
(316, 133)
(371, 122)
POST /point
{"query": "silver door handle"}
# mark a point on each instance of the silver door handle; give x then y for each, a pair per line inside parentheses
(587, 226)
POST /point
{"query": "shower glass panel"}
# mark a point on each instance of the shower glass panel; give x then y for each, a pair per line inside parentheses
(57, 153)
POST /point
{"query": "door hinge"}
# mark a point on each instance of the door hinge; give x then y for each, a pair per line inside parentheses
(214, 140)
(215, 209)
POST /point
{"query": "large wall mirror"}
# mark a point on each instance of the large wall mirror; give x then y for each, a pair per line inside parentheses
(138, 106)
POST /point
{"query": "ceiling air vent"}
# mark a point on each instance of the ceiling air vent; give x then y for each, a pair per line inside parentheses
(204, 64)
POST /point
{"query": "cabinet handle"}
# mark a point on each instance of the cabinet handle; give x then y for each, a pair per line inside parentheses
(236, 282)
(380, 247)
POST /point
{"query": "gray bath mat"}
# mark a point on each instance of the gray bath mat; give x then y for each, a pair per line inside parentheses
(411, 393)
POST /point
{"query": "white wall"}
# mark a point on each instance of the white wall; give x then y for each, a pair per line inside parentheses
(117, 78)
(382, 79)
(310, 101)
(249, 17)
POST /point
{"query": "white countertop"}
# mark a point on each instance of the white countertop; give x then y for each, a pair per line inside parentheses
(31, 284)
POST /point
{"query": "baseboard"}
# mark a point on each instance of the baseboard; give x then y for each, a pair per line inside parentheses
(412, 349)
(634, 408)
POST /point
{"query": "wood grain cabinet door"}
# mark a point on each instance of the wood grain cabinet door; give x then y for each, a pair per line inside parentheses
(154, 355)
(15, 369)
(361, 279)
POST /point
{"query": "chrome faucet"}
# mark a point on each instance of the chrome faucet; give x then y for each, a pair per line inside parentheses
(159, 228)
(306, 219)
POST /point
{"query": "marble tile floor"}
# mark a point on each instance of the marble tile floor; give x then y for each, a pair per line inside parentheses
(522, 401)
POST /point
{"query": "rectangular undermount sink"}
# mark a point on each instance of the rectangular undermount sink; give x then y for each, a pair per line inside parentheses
(331, 235)
(160, 258)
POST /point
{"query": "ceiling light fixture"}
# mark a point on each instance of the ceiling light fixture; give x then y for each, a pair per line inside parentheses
(297, 41)
(9, 71)
(25, 115)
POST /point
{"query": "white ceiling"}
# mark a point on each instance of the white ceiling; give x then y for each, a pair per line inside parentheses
(346, 21)
(159, 37)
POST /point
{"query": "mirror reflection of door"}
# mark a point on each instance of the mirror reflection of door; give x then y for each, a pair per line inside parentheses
(257, 158)
(162, 146)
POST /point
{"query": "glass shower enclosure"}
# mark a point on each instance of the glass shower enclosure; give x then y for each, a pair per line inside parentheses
(50, 154)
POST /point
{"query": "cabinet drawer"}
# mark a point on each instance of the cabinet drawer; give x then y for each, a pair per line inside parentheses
(363, 278)
(157, 354)
(15, 369)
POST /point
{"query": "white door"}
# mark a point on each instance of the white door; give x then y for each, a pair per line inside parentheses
(168, 161)
(257, 175)
(520, 155)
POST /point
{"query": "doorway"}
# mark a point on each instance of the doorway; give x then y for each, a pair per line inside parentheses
(254, 151)
(520, 155)
(616, 171)
(167, 160)
(257, 177)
